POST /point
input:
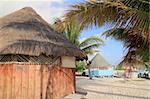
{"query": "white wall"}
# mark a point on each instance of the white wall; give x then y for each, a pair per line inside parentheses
(68, 61)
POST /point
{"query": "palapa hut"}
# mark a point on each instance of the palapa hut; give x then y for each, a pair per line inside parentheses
(100, 67)
(36, 62)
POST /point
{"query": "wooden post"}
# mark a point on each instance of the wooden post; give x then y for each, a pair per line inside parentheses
(89, 66)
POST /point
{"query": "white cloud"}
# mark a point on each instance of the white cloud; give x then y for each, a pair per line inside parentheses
(44, 8)
(58, 1)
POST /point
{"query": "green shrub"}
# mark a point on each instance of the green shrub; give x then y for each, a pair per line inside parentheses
(80, 66)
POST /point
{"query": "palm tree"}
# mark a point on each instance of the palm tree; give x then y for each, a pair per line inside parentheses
(138, 46)
(130, 19)
(72, 32)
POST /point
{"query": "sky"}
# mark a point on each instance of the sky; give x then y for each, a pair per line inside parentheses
(112, 50)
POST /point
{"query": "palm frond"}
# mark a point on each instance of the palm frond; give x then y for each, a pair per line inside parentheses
(123, 13)
(91, 47)
(72, 32)
(91, 40)
(91, 52)
(136, 44)
(130, 19)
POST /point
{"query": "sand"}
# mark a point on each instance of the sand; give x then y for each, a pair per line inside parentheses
(113, 88)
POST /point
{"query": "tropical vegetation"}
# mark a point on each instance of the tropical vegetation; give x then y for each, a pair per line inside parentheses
(72, 32)
(129, 19)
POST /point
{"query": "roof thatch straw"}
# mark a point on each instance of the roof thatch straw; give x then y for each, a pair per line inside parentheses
(25, 32)
(99, 62)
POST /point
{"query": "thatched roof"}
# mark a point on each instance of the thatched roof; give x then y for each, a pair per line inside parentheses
(25, 32)
(99, 62)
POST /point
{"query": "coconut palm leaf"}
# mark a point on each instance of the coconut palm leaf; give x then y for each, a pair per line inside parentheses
(91, 40)
(90, 47)
(137, 45)
(130, 19)
(130, 37)
(72, 32)
(123, 13)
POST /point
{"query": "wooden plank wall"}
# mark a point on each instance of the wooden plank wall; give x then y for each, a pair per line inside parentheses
(63, 80)
(19, 81)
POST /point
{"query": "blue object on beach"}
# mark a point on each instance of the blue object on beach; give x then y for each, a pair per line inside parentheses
(101, 73)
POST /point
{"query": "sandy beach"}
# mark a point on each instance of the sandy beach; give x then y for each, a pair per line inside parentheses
(113, 88)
